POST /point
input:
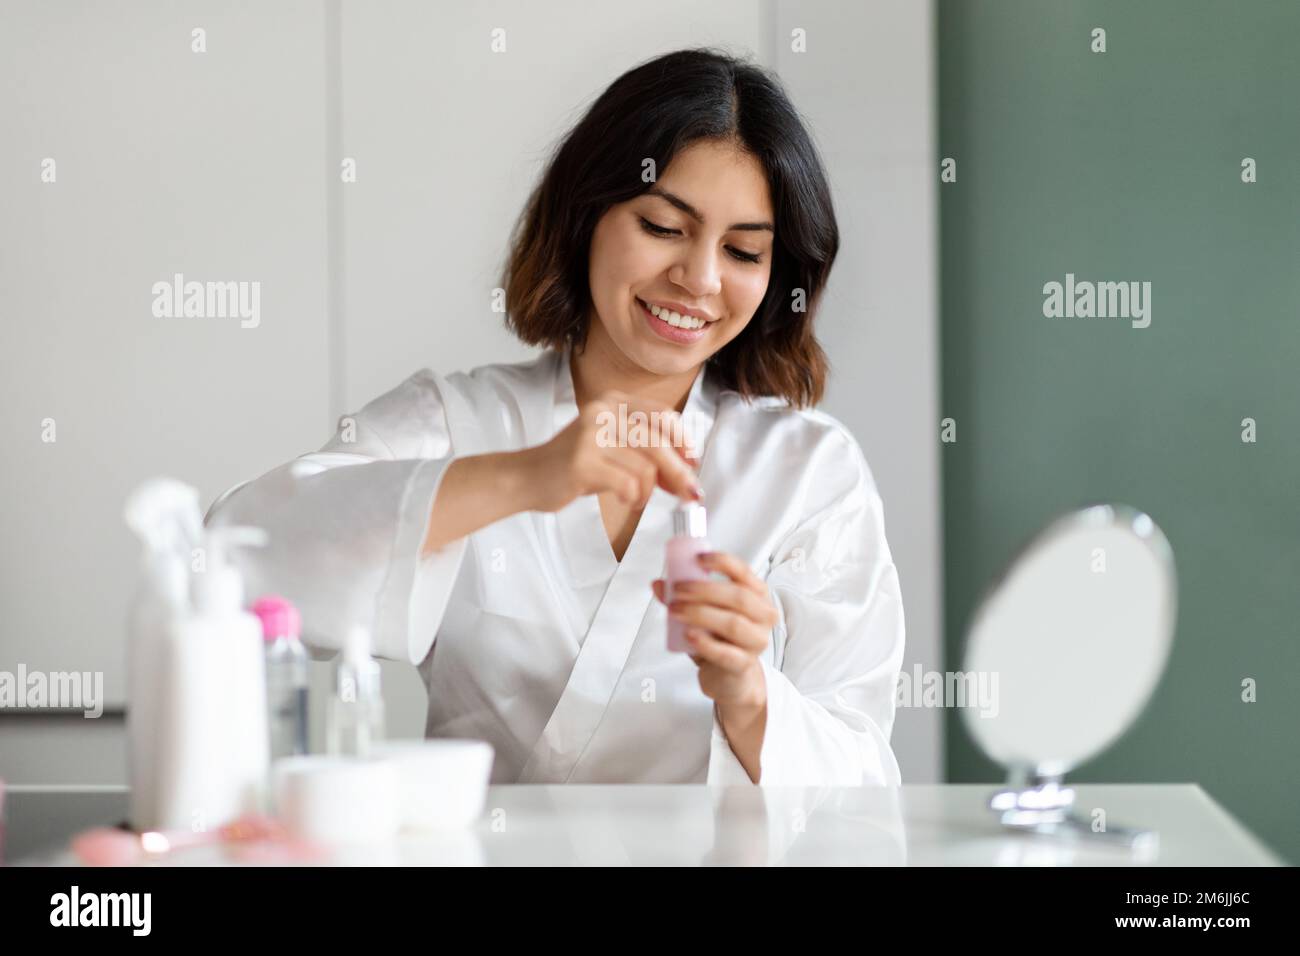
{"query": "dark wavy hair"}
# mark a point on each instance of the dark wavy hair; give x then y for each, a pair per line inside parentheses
(652, 111)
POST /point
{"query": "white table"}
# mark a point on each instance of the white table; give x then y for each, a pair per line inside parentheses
(918, 824)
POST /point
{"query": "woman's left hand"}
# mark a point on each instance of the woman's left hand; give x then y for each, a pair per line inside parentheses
(728, 625)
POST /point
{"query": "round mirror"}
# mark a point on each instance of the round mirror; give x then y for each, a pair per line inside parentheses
(1071, 640)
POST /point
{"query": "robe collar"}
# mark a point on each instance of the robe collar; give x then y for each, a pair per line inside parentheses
(582, 532)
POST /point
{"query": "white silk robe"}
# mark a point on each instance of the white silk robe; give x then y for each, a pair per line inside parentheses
(531, 635)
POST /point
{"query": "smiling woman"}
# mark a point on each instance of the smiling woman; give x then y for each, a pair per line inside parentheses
(654, 249)
(737, 229)
(491, 515)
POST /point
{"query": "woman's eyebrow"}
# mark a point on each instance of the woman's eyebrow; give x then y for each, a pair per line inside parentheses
(694, 213)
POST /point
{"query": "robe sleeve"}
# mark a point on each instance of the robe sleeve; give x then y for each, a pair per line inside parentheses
(346, 524)
(832, 679)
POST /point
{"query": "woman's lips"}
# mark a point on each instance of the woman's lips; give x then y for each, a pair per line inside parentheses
(671, 332)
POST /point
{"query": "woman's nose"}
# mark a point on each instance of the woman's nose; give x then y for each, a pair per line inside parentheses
(698, 273)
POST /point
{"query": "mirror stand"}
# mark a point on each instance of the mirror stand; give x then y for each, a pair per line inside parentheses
(1035, 800)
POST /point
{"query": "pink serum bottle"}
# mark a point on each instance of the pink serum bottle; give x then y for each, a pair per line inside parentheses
(688, 540)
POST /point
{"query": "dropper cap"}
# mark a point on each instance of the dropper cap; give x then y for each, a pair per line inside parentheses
(690, 520)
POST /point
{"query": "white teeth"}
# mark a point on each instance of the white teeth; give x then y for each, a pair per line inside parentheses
(680, 321)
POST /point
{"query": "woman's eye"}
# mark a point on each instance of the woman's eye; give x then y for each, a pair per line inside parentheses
(656, 230)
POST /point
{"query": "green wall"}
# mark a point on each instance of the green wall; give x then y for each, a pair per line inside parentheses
(1126, 166)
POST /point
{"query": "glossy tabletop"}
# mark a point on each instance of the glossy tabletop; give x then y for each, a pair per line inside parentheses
(946, 824)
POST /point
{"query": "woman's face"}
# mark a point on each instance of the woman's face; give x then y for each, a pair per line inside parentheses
(698, 243)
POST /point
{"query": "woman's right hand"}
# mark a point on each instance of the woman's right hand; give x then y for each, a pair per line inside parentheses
(590, 455)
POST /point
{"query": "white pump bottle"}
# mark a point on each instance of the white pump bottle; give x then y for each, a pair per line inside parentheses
(197, 718)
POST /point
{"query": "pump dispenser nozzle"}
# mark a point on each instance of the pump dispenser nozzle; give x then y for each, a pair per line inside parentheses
(218, 585)
(164, 513)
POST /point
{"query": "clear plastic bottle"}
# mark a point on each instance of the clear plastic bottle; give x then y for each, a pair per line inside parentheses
(287, 676)
(355, 721)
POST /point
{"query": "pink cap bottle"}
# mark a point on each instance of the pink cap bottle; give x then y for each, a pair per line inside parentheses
(688, 541)
(278, 616)
(287, 675)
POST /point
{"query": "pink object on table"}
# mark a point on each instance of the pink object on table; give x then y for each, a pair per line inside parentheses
(253, 838)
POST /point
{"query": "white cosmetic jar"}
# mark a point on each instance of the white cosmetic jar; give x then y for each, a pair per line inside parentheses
(339, 800)
(444, 782)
